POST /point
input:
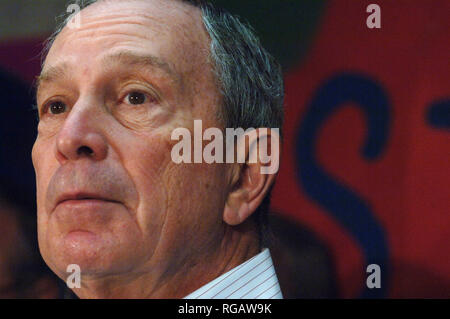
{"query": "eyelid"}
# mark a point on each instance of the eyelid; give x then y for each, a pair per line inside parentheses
(140, 87)
(43, 107)
(149, 98)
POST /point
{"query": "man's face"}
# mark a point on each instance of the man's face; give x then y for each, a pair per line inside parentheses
(109, 197)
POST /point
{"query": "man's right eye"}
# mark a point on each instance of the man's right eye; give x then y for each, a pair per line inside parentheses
(57, 107)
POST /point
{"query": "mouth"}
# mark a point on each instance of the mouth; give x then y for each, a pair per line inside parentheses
(83, 199)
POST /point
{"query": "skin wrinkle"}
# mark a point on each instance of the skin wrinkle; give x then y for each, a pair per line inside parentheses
(166, 208)
(217, 272)
(124, 57)
(128, 57)
(184, 32)
(175, 240)
(120, 58)
(168, 112)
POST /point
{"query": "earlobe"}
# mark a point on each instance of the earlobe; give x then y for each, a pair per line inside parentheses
(243, 201)
(249, 187)
(236, 211)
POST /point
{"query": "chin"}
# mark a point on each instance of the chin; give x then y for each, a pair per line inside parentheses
(96, 256)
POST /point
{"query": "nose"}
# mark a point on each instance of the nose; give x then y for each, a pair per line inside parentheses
(81, 136)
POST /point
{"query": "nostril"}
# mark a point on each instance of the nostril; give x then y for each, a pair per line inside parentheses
(85, 150)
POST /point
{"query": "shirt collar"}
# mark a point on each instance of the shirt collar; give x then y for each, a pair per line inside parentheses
(253, 279)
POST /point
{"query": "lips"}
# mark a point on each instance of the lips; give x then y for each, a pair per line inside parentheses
(80, 197)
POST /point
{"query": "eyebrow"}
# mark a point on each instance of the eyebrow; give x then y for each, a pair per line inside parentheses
(130, 58)
(52, 73)
(126, 57)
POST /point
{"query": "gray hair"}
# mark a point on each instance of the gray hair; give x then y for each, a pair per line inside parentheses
(249, 78)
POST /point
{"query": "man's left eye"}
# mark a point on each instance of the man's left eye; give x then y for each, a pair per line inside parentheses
(136, 98)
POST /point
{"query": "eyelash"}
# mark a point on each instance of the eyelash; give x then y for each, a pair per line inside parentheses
(148, 97)
(46, 106)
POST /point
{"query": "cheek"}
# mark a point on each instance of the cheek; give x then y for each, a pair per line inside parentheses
(193, 215)
(146, 161)
(173, 198)
(43, 170)
(45, 165)
(42, 161)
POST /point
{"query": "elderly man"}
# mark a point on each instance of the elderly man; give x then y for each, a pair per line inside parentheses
(110, 197)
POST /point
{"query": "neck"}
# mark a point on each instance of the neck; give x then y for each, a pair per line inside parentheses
(238, 244)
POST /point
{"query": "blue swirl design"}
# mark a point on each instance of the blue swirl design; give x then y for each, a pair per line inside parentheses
(438, 114)
(350, 210)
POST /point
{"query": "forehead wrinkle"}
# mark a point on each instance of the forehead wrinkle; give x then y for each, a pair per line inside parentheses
(130, 15)
(130, 58)
(115, 26)
(168, 18)
(191, 47)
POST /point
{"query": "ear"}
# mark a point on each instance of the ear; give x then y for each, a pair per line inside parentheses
(250, 181)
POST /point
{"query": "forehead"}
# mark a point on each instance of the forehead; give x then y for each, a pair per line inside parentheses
(170, 30)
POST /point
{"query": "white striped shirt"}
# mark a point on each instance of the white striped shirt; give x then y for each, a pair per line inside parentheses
(253, 279)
